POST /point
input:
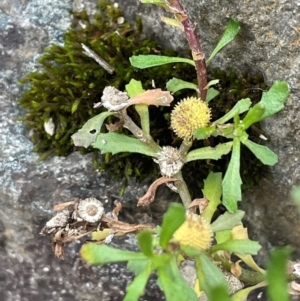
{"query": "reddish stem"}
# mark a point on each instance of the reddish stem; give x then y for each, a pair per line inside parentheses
(195, 46)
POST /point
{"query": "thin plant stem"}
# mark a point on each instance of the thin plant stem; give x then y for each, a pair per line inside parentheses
(194, 43)
(183, 190)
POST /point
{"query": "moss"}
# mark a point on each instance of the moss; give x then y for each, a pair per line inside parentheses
(69, 83)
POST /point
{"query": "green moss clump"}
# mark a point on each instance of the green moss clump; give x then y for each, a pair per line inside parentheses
(70, 82)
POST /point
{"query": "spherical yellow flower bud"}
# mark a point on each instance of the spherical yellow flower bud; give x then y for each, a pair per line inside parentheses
(188, 115)
(195, 232)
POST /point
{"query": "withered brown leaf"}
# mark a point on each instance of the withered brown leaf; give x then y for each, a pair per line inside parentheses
(155, 97)
(150, 194)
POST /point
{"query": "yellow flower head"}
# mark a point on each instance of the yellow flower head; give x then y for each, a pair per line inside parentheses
(194, 232)
(188, 115)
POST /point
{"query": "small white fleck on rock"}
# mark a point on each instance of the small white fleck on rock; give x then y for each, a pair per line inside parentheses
(120, 20)
(46, 269)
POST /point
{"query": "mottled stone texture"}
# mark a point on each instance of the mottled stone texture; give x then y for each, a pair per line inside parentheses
(269, 43)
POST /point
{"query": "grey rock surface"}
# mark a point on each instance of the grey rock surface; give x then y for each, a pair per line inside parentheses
(269, 44)
(29, 270)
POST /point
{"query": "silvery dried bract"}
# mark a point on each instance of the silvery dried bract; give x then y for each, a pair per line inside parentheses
(113, 99)
(293, 268)
(169, 160)
(234, 283)
(90, 210)
(59, 220)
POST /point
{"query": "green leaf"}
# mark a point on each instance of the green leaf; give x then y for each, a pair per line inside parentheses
(227, 221)
(148, 61)
(211, 94)
(295, 195)
(231, 31)
(212, 191)
(261, 152)
(137, 286)
(172, 22)
(240, 107)
(249, 261)
(203, 133)
(143, 111)
(210, 276)
(211, 83)
(274, 99)
(176, 84)
(232, 180)
(75, 105)
(172, 283)
(209, 152)
(134, 88)
(172, 220)
(90, 130)
(220, 293)
(254, 115)
(118, 143)
(243, 294)
(136, 266)
(145, 242)
(161, 260)
(276, 277)
(222, 236)
(190, 251)
(241, 246)
(99, 254)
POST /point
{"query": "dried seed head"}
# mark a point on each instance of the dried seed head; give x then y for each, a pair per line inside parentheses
(234, 283)
(90, 210)
(195, 232)
(188, 115)
(113, 99)
(169, 160)
(59, 220)
(294, 268)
